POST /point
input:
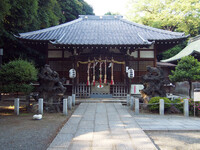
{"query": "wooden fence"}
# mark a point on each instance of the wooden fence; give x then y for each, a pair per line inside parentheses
(119, 90)
(82, 90)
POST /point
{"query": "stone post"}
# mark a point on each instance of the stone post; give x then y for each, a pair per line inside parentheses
(137, 107)
(186, 108)
(132, 103)
(162, 107)
(69, 102)
(65, 106)
(73, 99)
(16, 103)
(128, 99)
(40, 107)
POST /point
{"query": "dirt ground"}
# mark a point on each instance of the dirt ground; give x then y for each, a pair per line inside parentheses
(175, 140)
(23, 133)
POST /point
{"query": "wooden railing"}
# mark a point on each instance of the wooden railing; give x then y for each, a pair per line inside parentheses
(118, 90)
(82, 90)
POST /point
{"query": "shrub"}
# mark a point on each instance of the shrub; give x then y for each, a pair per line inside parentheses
(178, 103)
(155, 100)
(16, 76)
(191, 107)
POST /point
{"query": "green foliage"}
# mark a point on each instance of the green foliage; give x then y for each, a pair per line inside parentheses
(173, 15)
(49, 13)
(16, 76)
(187, 69)
(192, 106)
(73, 8)
(155, 100)
(111, 13)
(18, 16)
(178, 103)
(173, 51)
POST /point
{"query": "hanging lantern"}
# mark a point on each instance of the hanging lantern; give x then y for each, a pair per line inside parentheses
(131, 73)
(72, 73)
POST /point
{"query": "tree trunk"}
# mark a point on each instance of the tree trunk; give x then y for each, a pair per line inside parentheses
(190, 90)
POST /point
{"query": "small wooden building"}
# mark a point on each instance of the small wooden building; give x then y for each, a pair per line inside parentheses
(101, 49)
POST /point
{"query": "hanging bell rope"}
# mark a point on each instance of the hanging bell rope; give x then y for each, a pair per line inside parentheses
(112, 79)
(100, 75)
(105, 75)
(94, 64)
(88, 72)
(112, 61)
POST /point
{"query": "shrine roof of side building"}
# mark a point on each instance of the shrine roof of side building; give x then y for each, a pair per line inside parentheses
(102, 30)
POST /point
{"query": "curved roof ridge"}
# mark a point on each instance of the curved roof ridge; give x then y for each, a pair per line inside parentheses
(152, 28)
(50, 28)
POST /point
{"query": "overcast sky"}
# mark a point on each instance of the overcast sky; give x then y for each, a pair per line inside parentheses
(103, 6)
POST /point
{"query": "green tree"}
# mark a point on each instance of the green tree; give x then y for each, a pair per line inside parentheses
(16, 76)
(187, 69)
(71, 9)
(22, 16)
(4, 7)
(173, 15)
(111, 13)
(49, 13)
(18, 16)
(173, 51)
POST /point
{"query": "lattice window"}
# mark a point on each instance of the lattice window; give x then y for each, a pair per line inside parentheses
(60, 65)
(133, 65)
(117, 67)
(143, 65)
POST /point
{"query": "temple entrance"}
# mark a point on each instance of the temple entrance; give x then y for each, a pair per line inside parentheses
(102, 77)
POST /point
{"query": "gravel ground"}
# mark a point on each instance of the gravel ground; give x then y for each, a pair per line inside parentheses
(23, 133)
(175, 140)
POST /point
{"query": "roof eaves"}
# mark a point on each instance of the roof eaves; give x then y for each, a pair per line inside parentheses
(171, 39)
(153, 29)
(21, 35)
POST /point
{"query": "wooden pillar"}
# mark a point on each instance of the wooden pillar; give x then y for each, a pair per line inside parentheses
(126, 77)
(155, 54)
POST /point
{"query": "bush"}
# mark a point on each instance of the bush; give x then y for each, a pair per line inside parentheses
(191, 107)
(155, 100)
(16, 76)
(177, 105)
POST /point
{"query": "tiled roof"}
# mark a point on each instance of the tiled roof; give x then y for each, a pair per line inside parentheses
(193, 47)
(104, 30)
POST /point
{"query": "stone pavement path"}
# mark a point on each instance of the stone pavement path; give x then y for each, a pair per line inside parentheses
(167, 122)
(101, 126)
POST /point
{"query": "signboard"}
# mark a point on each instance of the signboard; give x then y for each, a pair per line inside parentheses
(135, 88)
(197, 94)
